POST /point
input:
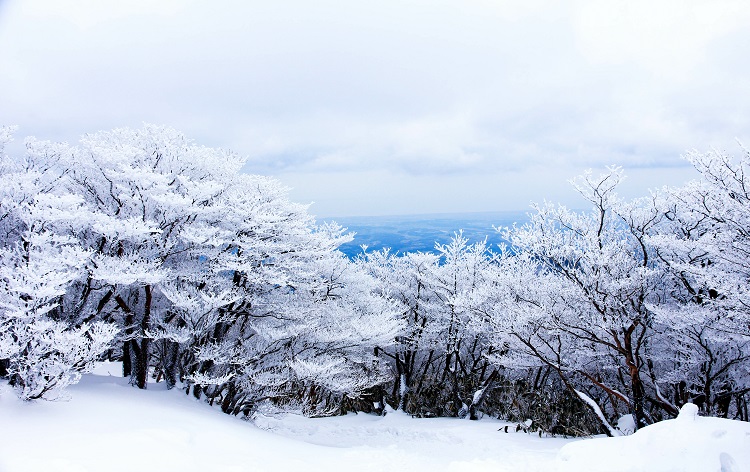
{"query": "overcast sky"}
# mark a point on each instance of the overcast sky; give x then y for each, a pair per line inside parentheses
(395, 107)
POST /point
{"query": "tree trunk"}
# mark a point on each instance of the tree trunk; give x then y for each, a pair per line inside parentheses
(401, 387)
(634, 372)
(228, 402)
(142, 360)
(170, 366)
(639, 392)
(127, 359)
(481, 394)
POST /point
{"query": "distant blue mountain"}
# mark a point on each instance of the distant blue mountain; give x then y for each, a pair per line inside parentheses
(413, 233)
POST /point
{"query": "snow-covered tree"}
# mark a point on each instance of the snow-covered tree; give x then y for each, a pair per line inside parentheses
(39, 259)
(302, 322)
(578, 292)
(214, 280)
(150, 191)
(704, 243)
(463, 269)
(439, 359)
(214, 277)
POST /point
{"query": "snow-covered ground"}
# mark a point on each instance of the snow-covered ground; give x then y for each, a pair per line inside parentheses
(687, 443)
(108, 426)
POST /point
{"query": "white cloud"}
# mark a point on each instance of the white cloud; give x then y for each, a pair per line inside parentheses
(445, 92)
(671, 38)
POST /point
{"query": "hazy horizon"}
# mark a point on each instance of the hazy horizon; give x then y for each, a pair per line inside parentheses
(413, 233)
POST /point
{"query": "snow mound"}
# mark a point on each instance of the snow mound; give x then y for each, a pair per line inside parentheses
(686, 443)
(626, 424)
(107, 425)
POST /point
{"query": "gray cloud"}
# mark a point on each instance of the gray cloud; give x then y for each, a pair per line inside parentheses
(349, 102)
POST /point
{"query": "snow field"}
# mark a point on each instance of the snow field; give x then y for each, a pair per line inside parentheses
(106, 425)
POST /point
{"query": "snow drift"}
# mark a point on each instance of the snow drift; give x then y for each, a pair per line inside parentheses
(107, 425)
(687, 443)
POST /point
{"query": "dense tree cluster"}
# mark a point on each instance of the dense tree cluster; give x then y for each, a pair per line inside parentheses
(139, 245)
(631, 308)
